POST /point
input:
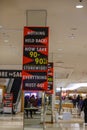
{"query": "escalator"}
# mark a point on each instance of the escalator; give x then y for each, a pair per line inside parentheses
(9, 85)
(16, 88)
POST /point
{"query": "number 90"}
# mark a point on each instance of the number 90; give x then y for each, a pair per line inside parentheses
(33, 54)
(41, 61)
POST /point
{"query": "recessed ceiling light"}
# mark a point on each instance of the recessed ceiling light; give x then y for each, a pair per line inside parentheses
(5, 40)
(72, 36)
(1, 26)
(60, 49)
(79, 6)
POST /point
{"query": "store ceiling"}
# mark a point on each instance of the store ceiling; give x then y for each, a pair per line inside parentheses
(68, 36)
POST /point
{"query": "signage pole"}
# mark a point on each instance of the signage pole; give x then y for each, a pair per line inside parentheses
(43, 109)
(60, 105)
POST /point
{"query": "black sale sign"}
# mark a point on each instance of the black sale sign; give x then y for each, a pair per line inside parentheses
(34, 80)
(36, 36)
(35, 58)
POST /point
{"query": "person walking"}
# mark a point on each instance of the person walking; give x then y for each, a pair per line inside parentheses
(80, 105)
(84, 108)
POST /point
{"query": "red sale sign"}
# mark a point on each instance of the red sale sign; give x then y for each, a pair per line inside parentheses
(50, 78)
(35, 57)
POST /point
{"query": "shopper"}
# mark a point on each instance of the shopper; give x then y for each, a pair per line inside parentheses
(77, 101)
(26, 103)
(80, 105)
(84, 108)
(81, 102)
(74, 101)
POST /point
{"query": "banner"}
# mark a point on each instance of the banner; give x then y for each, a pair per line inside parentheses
(10, 73)
(50, 78)
(34, 80)
(8, 102)
(36, 36)
(35, 51)
(35, 58)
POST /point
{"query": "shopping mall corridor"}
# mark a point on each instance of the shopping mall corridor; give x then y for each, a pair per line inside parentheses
(15, 122)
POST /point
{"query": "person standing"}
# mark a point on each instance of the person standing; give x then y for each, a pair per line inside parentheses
(80, 105)
(74, 101)
(84, 108)
(77, 101)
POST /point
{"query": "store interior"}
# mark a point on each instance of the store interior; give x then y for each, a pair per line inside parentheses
(67, 52)
(30, 112)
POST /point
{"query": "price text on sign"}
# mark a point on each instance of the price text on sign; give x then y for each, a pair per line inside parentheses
(36, 56)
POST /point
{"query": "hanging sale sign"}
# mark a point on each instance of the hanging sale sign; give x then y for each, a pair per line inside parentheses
(36, 36)
(50, 78)
(34, 80)
(35, 58)
(8, 103)
(35, 52)
(10, 73)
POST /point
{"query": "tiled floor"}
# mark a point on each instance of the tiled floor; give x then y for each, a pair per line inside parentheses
(9, 122)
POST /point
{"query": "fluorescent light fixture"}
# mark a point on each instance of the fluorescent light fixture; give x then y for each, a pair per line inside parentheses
(73, 86)
(76, 86)
(63, 89)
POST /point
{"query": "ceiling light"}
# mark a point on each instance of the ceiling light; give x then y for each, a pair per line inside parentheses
(60, 49)
(72, 36)
(79, 5)
(74, 86)
(5, 40)
(1, 26)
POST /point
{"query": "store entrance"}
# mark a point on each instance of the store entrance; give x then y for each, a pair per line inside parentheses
(37, 109)
(32, 109)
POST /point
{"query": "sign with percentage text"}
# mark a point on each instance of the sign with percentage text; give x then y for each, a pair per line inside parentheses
(35, 58)
(35, 51)
(50, 78)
